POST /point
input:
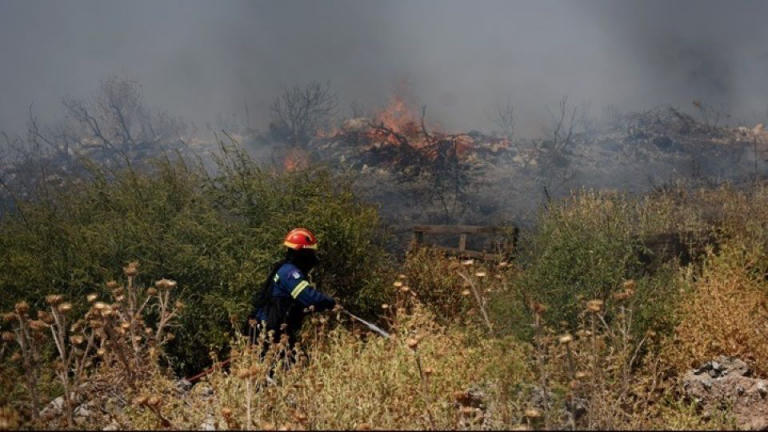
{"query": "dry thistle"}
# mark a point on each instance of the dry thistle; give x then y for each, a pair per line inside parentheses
(466, 293)
(226, 413)
(566, 339)
(54, 299)
(38, 325)
(468, 262)
(100, 306)
(429, 371)
(385, 306)
(45, 317)
(412, 343)
(538, 308)
(65, 308)
(111, 285)
(91, 297)
(165, 284)
(397, 284)
(364, 427)
(581, 375)
(9, 317)
(480, 274)
(76, 339)
(21, 308)
(152, 291)
(132, 269)
(16, 357)
(154, 401)
(595, 306)
(532, 413)
(140, 400)
(8, 336)
(405, 289)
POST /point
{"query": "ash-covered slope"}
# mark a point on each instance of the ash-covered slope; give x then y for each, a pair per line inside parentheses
(423, 176)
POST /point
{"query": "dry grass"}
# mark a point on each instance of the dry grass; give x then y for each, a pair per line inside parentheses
(726, 312)
(446, 367)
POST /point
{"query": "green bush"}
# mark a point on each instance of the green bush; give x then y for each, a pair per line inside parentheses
(217, 235)
(582, 249)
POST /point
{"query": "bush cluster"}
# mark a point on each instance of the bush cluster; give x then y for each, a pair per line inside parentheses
(217, 235)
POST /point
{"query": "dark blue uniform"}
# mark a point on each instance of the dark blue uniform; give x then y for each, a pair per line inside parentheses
(290, 294)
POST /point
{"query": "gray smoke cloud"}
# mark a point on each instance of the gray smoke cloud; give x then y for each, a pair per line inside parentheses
(201, 59)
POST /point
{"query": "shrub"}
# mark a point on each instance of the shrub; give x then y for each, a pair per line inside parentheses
(581, 249)
(216, 235)
(725, 313)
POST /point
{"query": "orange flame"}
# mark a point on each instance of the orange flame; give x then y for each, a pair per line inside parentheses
(295, 159)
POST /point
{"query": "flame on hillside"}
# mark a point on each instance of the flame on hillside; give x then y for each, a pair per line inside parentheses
(295, 159)
(398, 124)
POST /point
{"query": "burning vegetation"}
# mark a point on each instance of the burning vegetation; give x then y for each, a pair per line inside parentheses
(590, 322)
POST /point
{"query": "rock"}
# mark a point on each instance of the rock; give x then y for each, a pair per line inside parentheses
(209, 424)
(726, 382)
(183, 385)
(54, 408)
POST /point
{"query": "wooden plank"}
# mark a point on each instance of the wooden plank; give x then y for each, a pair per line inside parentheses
(466, 253)
(463, 241)
(457, 229)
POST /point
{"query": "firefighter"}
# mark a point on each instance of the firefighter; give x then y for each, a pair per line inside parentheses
(287, 295)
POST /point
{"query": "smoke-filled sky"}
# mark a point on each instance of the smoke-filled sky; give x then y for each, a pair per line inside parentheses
(200, 59)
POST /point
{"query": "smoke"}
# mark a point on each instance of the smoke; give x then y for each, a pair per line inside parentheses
(203, 59)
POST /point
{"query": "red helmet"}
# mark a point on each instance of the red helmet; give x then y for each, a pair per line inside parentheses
(300, 238)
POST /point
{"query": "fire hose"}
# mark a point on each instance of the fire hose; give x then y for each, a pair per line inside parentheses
(371, 326)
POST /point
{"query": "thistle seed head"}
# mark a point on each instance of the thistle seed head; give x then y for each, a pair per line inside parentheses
(132, 269)
(595, 306)
(38, 325)
(165, 284)
(532, 413)
(45, 317)
(21, 307)
(54, 299)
